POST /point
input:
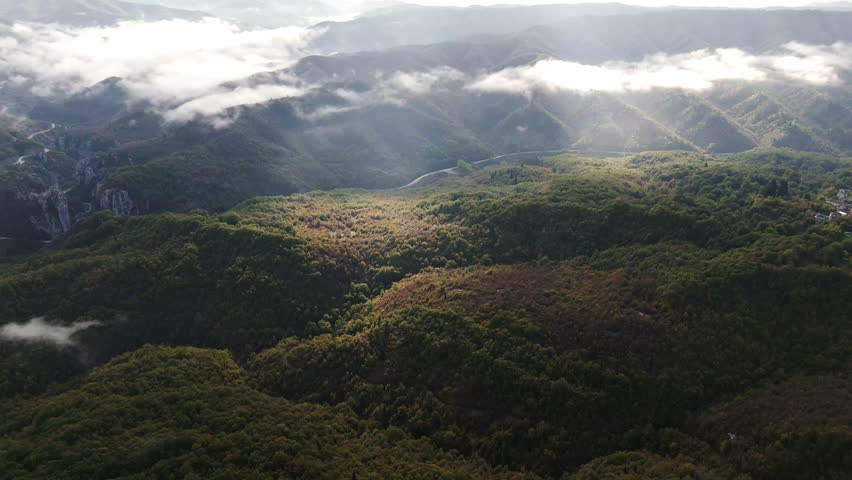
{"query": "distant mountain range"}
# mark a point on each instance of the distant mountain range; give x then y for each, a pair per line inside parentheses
(830, 6)
(262, 13)
(87, 12)
(376, 28)
(419, 25)
(352, 129)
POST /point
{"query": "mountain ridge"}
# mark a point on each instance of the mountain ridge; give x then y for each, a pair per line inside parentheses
(88, 12)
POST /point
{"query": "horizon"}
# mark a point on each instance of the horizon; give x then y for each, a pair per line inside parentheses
(311, 12)
(649, 3)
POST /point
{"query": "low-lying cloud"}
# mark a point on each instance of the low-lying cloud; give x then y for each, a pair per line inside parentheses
(38, 330)
(214, 107)
(401, 85)
(164, 62)
(179, 68)
(394, 88)
(698, 70)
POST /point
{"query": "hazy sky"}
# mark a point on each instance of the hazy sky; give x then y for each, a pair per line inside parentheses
(652, 3)
(308, 12)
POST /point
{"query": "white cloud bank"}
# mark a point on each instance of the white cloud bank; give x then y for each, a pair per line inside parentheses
(37, 330)
(698, 70)
(165, 62)
(179, 67)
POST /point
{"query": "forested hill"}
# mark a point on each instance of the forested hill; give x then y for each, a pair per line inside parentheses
(661, 315)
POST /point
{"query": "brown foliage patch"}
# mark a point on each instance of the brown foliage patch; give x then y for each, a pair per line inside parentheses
(577, 308)
(791, 407)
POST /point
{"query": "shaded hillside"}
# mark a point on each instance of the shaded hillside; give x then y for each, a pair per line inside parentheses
(281, 148)
(801, 428)
(631, 465)
(188, 412)
(96, 105)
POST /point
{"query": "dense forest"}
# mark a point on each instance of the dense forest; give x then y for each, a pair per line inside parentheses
(665, 315)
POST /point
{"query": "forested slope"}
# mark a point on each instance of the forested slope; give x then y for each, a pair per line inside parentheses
(665, 314)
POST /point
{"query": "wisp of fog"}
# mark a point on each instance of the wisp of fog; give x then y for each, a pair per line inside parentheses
(39, 330)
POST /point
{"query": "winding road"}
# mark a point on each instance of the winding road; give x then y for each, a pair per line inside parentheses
(594, 153)
(453, 170)
(20, 160)
(52, 126)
